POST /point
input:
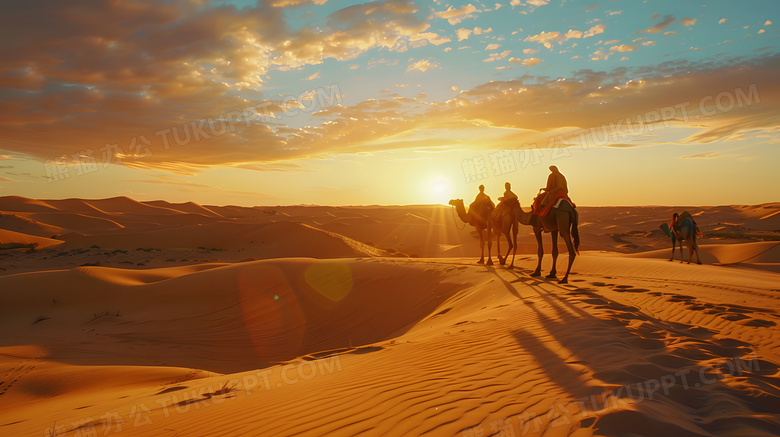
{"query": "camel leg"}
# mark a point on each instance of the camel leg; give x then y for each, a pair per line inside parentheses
(539, 252)
(674, 244)
(489, 244)
(682, 255)
(566, 235)
(514, 245)
(554, 235)
(509, 248)
(498, 248)
(481, 247)
(690, 251)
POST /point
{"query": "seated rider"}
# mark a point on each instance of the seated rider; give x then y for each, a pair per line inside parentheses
(556, 183)
(509, 199)
(482, 201)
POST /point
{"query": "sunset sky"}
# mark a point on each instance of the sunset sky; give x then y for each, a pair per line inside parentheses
(340, 102)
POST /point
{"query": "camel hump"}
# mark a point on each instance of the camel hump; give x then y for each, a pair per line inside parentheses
(687, 215)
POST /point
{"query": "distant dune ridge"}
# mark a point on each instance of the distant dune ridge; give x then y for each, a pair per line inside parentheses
(159, 319)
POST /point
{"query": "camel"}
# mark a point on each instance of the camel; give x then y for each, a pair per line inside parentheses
(505, 220)
(683, 228)
(564, 220)
(480, 221)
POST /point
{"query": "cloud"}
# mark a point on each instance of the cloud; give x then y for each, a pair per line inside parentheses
(660, 27)
(703, 155)
(463, 34)
(768, 23)
(455, 16)
(538, 3)
(527, 62)
(431, 37)
(497, 56)
(314, 76)
(722, 20)
(167, 180)
(623, 48)
(492, 46)
(422, 65)
(527, 51)
(595, 30)
(5, 179)
(547, 38)
(287, 3)
(178, 69)
(140, 71)
(688, 21)
(599, 55)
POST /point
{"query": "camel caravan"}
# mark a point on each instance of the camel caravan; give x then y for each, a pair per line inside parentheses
(552, 211)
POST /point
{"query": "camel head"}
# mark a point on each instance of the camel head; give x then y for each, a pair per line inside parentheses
(456, 202)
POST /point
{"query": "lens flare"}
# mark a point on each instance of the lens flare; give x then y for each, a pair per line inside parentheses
(331, 279)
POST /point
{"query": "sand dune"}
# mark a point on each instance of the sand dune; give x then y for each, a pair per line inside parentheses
(155, 326)
(764, 255)
(479, 347)
(7, 237)
(187, 207)
(76, 222)
(26, 225)
(18, 203)
(272, 240)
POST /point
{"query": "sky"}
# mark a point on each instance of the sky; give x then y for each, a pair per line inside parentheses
(342, 102)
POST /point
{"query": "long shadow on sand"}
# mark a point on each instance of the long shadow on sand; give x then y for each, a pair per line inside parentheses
(639, 375)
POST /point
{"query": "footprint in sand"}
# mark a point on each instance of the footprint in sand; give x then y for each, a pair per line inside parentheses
(12, 376)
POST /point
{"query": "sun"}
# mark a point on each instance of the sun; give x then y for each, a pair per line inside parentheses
(439, 190)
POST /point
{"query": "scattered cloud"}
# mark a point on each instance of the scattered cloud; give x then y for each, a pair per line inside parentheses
(599, 55)
(497, 56)
(527, 62)
(431, 37)
(492, 46)
(703, 155)
(167, 180)
(455, 16)
(660, 27)
(688, 21)
(595, 30)
(422, 65)
(623, 48)
(722, 20)
(464, 33)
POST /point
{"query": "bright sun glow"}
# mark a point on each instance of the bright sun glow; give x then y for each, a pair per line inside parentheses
(440, 190)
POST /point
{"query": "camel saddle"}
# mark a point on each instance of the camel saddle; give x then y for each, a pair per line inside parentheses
(542, 211)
